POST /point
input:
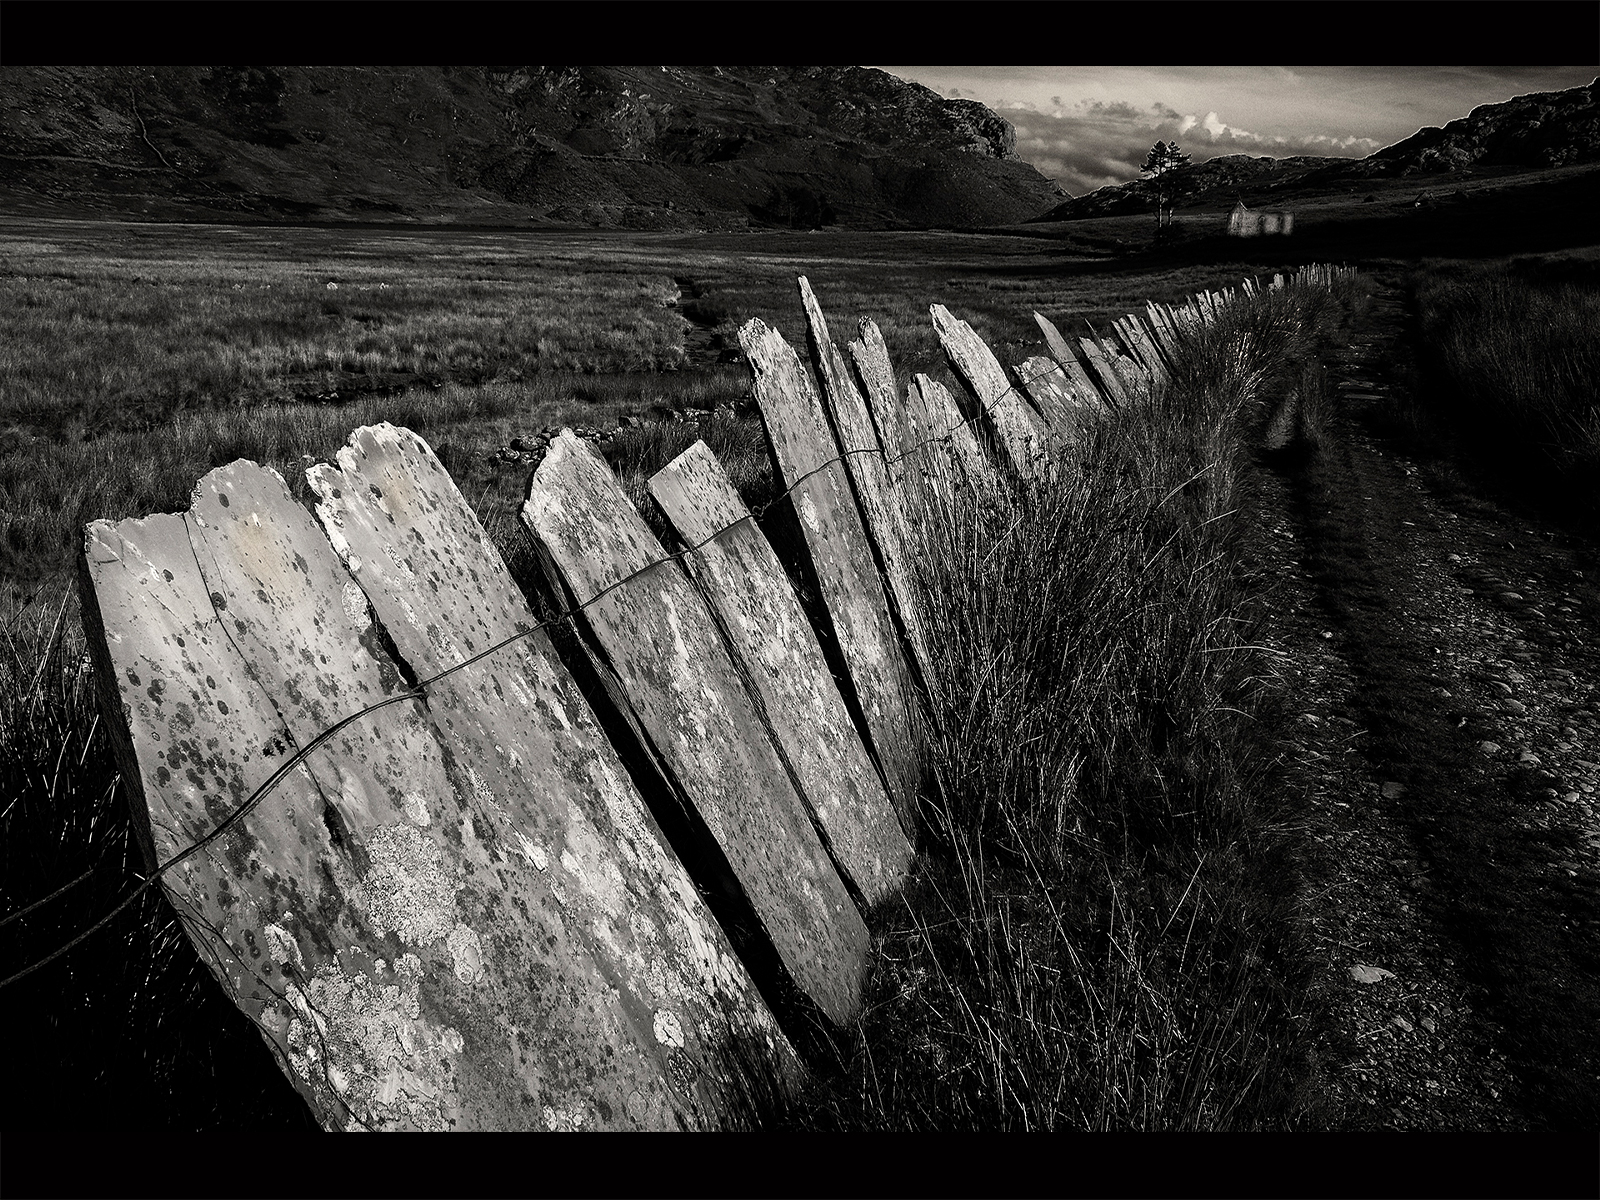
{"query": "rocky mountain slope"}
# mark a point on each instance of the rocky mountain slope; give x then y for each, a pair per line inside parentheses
(1213, 182)
(641, 147)
(1540, 130)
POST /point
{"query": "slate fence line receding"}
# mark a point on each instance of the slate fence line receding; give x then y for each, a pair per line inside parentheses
(398, 832)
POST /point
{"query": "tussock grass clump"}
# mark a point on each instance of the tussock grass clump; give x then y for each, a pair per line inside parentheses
(130, 1026)
(1100, 934)
(1510, 366)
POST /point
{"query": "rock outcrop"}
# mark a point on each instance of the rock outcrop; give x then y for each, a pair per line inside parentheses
(1543, 129)
(1215, 181)
(644, 147)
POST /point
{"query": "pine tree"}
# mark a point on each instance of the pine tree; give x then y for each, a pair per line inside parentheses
(1164, 158)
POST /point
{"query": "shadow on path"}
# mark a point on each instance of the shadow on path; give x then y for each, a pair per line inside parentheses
(1518, 920)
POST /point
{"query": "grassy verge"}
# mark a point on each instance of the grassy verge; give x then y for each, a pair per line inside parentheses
(1508, 357)
(1101, 933)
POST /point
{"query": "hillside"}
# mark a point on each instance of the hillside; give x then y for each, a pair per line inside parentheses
(1214, 181)
(1540, 130)
(635, 147)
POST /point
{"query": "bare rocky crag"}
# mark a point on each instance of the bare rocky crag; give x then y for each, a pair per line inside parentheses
(1537, 131)
(1542, 129)
(635, 147)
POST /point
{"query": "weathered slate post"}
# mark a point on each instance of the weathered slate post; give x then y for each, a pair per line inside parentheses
(1053, 395)
(1166, 332)
(362, 914)
(1187, 317)
(841, 558)
(663, 644)
(876, 372)
(1111, 382)
(329, 911)
(924, 455)
(1068, 361)
(927, 436)
(1016, 431)
(1141, 345)
(922, 458)
(777, 651)
(859, 445)
(936, 417)
(578, 856)
(1135, 376)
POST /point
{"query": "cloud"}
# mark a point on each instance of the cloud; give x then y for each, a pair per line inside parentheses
(1219, 132)
(1094, 144)
(1363, 146)
(1114, 111)
(1315, 109)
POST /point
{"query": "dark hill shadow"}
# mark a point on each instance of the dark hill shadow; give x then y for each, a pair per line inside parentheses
(1518, 216)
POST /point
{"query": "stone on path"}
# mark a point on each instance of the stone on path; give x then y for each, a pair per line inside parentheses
(1362, 973)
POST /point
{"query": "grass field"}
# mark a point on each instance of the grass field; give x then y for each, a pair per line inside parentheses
(1509, 355)
(140, 357)
(1101, 933)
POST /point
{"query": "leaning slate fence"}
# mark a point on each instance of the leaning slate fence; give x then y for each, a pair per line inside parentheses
(448, 890)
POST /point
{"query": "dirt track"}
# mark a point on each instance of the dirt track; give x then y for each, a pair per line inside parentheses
(1442, 652)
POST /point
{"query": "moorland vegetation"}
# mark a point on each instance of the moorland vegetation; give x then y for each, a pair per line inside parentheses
(1104, 928)
(1510, 360)
(141, 357)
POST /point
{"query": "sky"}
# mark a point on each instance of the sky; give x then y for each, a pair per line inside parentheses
(1088, 127)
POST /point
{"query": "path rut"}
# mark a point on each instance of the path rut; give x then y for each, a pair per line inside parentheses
(1441, 650)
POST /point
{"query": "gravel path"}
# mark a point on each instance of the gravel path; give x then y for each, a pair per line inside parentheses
(1441, 652)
